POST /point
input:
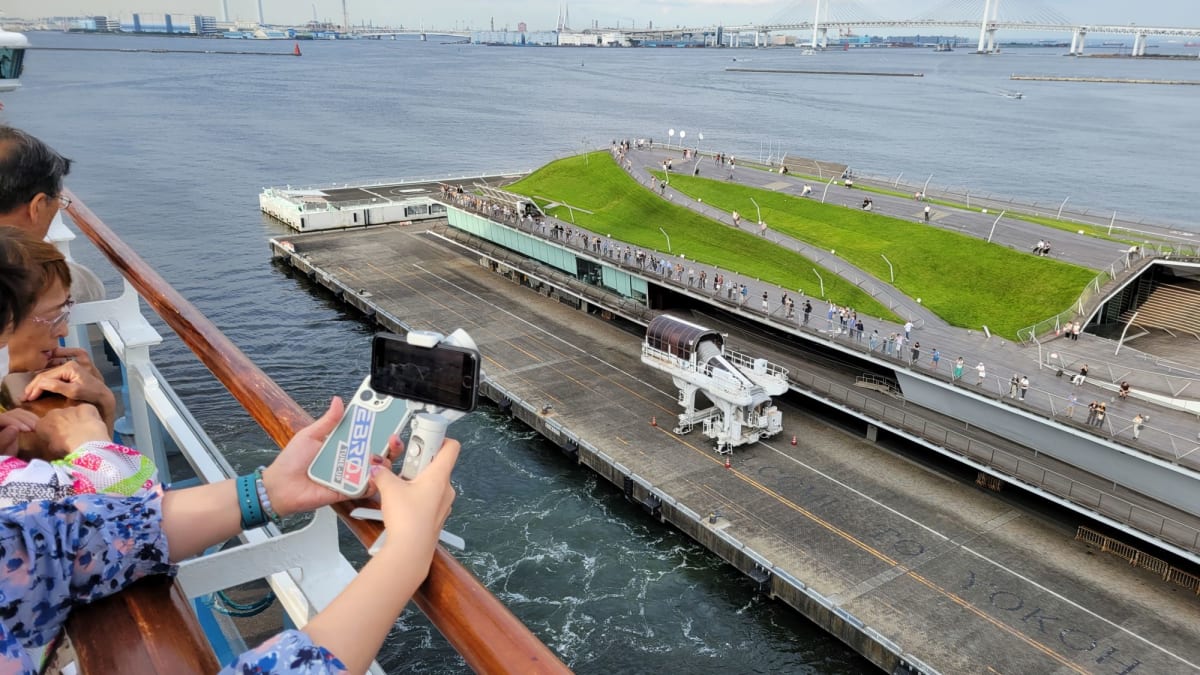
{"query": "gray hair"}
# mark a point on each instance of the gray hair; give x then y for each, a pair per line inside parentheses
(28, 167)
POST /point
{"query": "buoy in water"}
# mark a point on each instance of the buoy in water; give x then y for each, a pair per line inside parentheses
(296, 51)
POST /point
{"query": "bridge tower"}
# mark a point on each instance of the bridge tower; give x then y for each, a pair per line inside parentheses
(987, 30)
(820, 34)
(1139, 45)
(1078, 39)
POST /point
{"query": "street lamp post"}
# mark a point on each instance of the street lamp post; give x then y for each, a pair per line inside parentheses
(670, 137)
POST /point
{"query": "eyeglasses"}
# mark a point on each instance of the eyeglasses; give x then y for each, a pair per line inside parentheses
(59, 319)
(63, 201)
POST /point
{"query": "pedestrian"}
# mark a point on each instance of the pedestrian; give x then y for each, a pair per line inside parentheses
(762, 228)
(791, 309)
(908, 326)
(927, 214)
(1075, 327)
(1103, 408)
(1123, 392)
(1024, 386)
(807, 311)
(765, 305)
(873, 341)
(1081, 377)
(859, 327)
(982, 371)
(1014, 383)
(1138, 423)
(737, 219)
(958, 368)
(1072, 401)
(745, 294)
(691, 276)
(934, 358)
(916, 353)
(1093, 407)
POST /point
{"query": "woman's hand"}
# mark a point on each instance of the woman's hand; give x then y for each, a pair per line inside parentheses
(12, 423)
(61, 431)
(75, 378)
(286, 479)
(415, 510)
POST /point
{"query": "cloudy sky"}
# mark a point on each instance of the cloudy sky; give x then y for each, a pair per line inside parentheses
(544, 13)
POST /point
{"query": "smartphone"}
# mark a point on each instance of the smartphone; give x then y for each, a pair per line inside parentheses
(343, 463)
(443, 375)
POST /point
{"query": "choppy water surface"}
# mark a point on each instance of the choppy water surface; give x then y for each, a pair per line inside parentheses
(172, 150)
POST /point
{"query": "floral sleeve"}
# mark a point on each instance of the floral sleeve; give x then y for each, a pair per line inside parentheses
(291, 651)
(58, 553)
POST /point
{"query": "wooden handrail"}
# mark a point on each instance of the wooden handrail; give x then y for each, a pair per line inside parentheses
(487, 635)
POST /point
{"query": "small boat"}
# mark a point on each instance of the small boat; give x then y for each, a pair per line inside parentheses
(944, 47)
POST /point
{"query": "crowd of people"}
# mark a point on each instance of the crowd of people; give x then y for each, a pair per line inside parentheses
(82, 517)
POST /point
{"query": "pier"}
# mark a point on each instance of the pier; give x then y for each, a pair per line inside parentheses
(861, 73)
(914, 569)
(1114, 80)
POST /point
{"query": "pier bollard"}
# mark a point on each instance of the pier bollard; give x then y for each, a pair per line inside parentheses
(793, 439)
(654, 421)
(727, 464)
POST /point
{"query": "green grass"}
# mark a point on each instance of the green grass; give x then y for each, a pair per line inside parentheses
(964, 280)
(631, 213)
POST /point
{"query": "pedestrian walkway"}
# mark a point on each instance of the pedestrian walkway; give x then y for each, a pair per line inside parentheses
(1169, 434)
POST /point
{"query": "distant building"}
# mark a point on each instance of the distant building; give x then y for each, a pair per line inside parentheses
(514, 38)
(205, 25)
(173, 24)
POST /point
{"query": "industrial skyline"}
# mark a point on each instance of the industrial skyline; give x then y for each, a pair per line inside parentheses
(479, 14)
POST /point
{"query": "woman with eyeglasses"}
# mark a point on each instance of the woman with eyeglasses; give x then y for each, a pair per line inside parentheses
(35, 344)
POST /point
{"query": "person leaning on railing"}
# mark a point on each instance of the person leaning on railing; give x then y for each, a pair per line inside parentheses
(57, 553)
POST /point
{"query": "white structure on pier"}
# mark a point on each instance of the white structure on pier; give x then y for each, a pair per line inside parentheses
(739, 387)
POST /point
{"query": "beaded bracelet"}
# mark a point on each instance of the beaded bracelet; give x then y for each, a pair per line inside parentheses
(264, 500)
(250, 503)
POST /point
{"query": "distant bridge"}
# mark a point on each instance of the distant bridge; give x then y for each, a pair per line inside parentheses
(988, 25)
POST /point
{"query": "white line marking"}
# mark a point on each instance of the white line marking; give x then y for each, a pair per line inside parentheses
(984, 558)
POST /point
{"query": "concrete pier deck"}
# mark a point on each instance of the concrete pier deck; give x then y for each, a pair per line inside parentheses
(908, 566)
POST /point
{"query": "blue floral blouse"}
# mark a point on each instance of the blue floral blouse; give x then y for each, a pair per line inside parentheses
(56, 554)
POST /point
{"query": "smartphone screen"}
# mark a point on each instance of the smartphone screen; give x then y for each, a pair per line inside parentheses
(444, 375)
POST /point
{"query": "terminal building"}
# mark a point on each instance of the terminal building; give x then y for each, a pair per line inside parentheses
(171, 24)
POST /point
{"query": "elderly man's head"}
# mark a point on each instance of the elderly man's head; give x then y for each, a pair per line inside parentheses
(31, 182)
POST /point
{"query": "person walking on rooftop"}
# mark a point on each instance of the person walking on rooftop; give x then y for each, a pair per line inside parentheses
(1123, 392)
(807, 311)
(1100, 411)
(873, 341)
(927, 214)
(1138, 423)
(765, 306)
(916, 354)
(1014, 383)
(762, 228)
(982, 371)
(1072, 401)
(908, 326)
(1075, 327)
(958, 368)
(859, 327)
(934, 358)
(1092, 408)
(1024, 386)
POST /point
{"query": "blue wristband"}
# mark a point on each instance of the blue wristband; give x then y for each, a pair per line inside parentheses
(252, 513)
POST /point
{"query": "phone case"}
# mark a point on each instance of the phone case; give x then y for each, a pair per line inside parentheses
(343, 462)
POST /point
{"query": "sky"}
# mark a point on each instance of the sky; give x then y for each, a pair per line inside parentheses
(543, 14)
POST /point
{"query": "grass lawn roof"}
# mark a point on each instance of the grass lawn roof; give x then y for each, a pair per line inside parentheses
(966, 281)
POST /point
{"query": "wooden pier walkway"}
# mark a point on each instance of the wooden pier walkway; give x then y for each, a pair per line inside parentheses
(910, 567)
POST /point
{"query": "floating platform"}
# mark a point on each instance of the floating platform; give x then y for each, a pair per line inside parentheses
(333, 207)
(917, 571)
(1111, 80)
